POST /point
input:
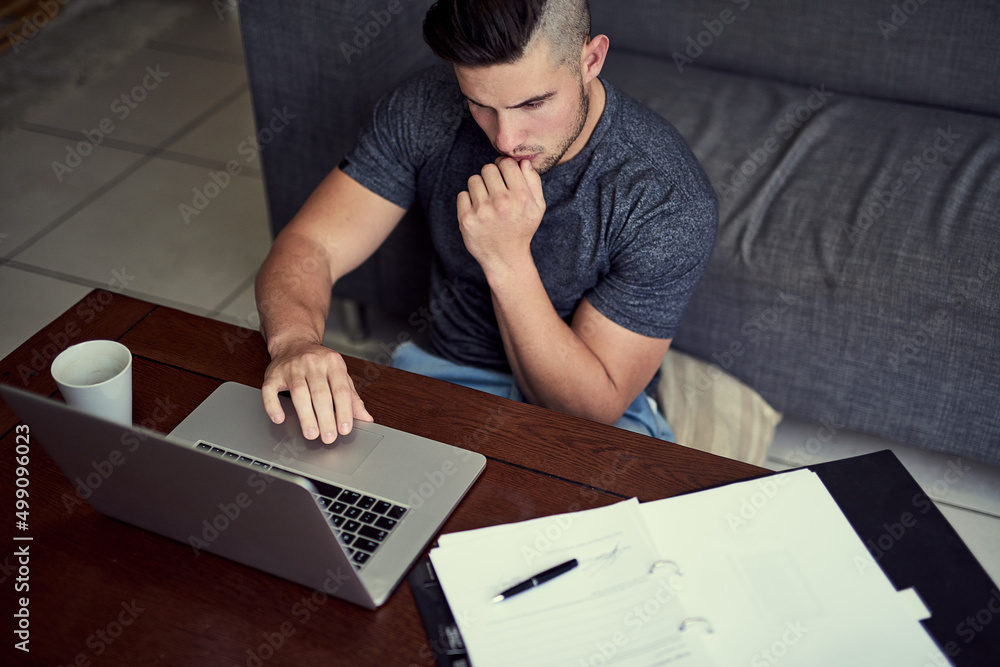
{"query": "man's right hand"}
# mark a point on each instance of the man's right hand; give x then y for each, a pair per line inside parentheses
(322, 391)
(337, 229)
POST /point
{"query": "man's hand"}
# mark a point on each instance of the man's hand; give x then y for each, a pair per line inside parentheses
(338, 228)
(322, 391)
(500, 212)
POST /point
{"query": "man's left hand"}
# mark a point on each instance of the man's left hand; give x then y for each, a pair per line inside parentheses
(500, 212)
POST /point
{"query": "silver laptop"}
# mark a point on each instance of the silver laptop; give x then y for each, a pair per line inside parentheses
(347, 519)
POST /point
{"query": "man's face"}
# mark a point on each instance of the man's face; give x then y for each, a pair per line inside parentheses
(529, 109)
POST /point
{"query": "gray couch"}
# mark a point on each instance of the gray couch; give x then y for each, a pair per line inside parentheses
(855, 148)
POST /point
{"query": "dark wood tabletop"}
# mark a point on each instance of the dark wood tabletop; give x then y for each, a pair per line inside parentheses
(102, 592)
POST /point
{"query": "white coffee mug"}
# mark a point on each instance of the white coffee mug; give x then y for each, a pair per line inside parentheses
(96, 377)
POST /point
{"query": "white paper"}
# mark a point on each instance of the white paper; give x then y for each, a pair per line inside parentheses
(610, 610)
(784, 578)
(761, 573)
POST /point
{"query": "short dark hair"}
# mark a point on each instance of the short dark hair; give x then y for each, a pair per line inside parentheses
(476, 33)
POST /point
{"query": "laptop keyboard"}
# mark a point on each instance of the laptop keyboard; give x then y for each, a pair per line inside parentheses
(363, 522)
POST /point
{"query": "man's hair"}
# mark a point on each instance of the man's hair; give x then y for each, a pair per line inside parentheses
(475, 33)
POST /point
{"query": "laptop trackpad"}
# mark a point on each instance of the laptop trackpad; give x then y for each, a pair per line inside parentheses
(342, 456)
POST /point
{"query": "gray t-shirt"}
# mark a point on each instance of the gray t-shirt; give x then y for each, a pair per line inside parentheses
(629, 223)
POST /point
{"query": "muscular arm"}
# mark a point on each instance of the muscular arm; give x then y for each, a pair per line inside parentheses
(592, 367)
(340, 225)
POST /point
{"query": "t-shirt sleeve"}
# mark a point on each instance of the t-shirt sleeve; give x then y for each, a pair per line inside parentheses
(406, 126)
(657, 262)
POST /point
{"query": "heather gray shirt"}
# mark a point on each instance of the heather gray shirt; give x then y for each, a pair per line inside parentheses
(629, 224)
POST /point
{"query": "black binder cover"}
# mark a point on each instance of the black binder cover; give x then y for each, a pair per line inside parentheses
(915, 545)
(906, 535)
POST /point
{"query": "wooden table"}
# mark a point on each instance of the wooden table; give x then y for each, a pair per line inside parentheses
(102, 592)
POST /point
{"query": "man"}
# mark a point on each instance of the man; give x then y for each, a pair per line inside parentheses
(570, 223)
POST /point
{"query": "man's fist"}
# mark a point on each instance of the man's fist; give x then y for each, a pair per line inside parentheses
(500, 212)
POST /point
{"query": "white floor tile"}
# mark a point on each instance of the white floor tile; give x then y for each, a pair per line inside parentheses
(33, 193)
(212, 26)
(959, 481)
(148, 98)
(136, 234)
(241, 311)
(84, 43)
(230, 134)
(28, 302)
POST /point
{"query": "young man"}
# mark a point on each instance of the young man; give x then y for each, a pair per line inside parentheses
(570, 226)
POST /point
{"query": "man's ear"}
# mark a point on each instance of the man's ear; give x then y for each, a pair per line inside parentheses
(592, 57)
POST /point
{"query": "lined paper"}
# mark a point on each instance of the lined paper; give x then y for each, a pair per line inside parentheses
(758, 573)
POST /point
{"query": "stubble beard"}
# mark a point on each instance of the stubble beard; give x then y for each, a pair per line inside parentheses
(583, 111)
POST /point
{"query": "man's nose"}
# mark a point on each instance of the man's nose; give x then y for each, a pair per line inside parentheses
(509, 134)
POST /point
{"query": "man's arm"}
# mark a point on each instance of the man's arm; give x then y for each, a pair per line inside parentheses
(593, 367)
(339, 227)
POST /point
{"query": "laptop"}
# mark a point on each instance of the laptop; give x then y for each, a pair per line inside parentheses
(347, 519)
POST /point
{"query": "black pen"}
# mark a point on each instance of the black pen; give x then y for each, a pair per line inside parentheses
(537, 580)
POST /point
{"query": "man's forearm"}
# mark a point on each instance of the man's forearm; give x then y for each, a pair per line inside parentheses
(553, 366)
(293, 291)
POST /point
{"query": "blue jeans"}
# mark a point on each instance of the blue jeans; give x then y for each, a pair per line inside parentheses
(640, 417)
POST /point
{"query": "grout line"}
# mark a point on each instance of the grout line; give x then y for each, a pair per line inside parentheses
(937, 500)
(96, 284)
(216, 312)
(139, 149)
(974, 510)
(141, 162)
(79, 206)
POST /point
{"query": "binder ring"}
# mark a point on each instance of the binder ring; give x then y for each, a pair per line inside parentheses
(661, 563)
(689, 622)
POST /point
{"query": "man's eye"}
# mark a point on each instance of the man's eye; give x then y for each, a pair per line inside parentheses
(533, 105)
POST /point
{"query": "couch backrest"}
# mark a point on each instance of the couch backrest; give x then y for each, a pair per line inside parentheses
(325, 62)
(937, 52)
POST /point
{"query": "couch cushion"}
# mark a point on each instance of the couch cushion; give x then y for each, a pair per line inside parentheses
(710, 410)
(856, 276)
(931, 51)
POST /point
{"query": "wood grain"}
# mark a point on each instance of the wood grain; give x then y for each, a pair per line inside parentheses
(89, 573)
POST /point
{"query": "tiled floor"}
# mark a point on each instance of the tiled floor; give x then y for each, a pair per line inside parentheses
(94, 185)
(105, 208)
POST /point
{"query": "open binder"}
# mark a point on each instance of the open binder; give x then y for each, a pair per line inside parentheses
(921, 586)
